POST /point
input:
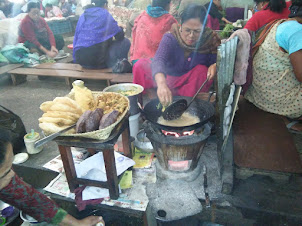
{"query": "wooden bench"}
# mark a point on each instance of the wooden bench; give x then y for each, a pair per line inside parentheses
(74, 71)
(9, 67)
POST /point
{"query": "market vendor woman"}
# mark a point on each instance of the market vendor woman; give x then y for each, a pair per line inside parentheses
(36, 34)
(98, 40)
(181, 63)
(14, 191)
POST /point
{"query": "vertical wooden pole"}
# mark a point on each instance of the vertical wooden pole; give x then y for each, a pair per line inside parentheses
(69, 167)
(110, 167)
(126, 141)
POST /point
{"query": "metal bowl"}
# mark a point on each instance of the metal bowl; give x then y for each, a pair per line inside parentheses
(134, 109)
(27, 218)
(142, 142)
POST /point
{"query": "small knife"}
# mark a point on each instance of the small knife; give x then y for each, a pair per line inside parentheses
(45, 140)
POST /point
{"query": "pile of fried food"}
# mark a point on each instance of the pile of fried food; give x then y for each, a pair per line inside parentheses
(88, 112)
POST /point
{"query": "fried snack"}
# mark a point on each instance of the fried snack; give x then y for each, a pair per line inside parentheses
(110, 102)
(59, 121)
(108, 119)
(66, 115)
(93, 121)
(61, 107)
(84, 98)
(69, 102)
(50, 128)
(46, 106)
(80, 128)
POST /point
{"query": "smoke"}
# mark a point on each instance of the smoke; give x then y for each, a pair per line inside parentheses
(202, 30)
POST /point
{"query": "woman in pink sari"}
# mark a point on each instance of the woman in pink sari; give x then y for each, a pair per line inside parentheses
(149, 28)
(183, 61)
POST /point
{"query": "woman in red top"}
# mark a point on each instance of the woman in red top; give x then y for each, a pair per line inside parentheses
(268, 11)
(36, 35)
(14, 191)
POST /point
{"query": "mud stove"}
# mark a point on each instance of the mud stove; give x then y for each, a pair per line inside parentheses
(184, 172)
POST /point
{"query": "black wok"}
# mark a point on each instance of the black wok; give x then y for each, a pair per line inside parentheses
(202, 109)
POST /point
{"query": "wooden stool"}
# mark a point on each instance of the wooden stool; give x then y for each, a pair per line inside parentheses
(94, 146)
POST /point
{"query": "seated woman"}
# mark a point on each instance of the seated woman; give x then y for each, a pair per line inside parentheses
(14, 191)
(66, 8)
(267, 11)
(149, 28)
(52, 11)
(36, 35)
(93, 44)
(182, 62)
(277, 70)
(215, 16)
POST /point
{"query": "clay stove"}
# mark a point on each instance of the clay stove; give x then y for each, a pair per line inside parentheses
(178, 152)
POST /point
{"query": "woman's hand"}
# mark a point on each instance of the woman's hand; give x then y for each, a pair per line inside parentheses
(163, 92)
(88, 221)
(51, 54)
(212, 71)
(54, 49)
(164, 95)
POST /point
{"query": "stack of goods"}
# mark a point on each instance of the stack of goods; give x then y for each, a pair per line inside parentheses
(88, 112)
(59, 114)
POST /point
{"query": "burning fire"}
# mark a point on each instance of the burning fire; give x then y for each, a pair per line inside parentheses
(175, 134)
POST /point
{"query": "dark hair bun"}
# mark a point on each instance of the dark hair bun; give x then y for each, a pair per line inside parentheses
(193, 11)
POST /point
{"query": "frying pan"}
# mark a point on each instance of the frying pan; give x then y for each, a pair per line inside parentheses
(202, 109)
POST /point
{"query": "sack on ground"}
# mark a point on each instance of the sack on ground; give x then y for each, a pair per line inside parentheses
(17, 54)
(122, 66)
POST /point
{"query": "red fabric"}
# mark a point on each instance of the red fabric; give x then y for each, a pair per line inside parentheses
(213, 23)
(263, 17)
(147, 34)
(28, 31)
(81, 204)
(24, 197)
(185, 85)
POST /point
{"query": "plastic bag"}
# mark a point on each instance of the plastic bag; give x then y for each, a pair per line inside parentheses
(12, 128)
(3, 59)
(16, 54)
(122, 66)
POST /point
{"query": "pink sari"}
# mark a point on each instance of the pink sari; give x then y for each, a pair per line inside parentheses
(185, 85)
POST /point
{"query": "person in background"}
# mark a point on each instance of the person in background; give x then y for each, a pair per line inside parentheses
(6, 7)
(93, 44)
(14, 191)
(149, 28)
(65, 8)
(52, 11)
(36, 34)
(73, 6)
(267, 11)
(182, 61)
(215, 15)
(277, 69)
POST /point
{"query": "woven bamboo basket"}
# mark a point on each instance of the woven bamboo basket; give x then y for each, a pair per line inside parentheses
(102, 134)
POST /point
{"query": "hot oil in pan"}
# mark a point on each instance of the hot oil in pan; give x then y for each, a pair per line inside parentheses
(185, 120)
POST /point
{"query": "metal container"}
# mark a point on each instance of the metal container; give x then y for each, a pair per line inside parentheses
(142, 142)
(118, 88)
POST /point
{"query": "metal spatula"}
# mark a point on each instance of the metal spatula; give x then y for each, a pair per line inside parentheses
(177, 108)
(45, 140)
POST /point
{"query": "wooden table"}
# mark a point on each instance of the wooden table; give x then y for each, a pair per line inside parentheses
(94, 146)
(72, 71)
